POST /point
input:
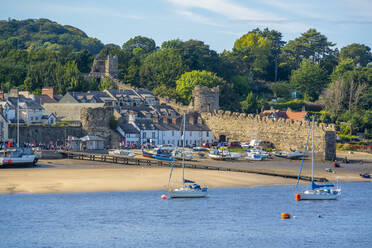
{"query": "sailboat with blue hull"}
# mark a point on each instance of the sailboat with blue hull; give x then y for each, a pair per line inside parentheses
(317, 191)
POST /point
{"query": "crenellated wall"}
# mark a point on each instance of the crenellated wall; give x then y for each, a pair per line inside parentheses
(283, 133)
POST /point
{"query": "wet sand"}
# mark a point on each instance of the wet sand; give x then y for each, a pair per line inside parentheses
(68, 175)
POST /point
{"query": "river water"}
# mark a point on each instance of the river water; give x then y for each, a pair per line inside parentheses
(233, 217)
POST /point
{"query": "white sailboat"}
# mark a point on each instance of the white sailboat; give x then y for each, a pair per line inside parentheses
(317, 191)
(189, 189)
(19, 156)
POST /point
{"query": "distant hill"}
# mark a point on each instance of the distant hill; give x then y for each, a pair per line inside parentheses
(45, 33)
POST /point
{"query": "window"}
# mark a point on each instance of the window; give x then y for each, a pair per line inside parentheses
(144, 135)
(172, 133)
(153, 135)
(32, 118)
(36, 118)
(207, 134)
(190, 133)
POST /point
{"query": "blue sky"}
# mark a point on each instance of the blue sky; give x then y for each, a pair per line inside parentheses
(216, 22)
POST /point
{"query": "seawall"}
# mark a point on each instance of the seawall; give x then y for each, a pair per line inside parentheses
(283, 133)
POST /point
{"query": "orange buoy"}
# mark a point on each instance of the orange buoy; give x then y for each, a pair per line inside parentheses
(298, 197)
(286, 216)
(164, 197)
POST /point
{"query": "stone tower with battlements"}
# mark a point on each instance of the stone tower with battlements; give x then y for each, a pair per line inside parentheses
(105, 67)
(205, 99)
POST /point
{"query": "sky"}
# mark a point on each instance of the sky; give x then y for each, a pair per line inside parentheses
(218, 23)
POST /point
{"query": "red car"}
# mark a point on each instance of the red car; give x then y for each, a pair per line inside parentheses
(234, 144)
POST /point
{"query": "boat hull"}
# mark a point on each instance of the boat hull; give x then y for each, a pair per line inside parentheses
(163, 158)
(179, 193)
(14, 162)
(318, 196)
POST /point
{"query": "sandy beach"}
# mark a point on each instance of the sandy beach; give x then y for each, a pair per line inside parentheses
(68, 175)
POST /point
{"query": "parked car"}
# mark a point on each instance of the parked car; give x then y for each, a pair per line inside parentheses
(206, 145)
(222, 144)
(245, 145)
(234, 145)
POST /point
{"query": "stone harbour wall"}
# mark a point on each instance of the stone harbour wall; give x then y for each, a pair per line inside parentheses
(283, 133)
(43, 134)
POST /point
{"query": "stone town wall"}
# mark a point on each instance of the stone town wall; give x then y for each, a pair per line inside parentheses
(43, 133)
(96, 121)
(284, 134)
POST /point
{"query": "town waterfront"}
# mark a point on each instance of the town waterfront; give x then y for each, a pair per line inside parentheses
(230, 217)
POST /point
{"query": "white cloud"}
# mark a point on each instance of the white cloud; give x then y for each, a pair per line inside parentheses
(198, 18)
(228, 9)
(93, 11)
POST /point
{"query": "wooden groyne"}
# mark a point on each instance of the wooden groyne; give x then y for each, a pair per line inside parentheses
(153, 162)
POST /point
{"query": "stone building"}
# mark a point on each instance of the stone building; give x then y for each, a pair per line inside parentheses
(105, 67)
(205, 99)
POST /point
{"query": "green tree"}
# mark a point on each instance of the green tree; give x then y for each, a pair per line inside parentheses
(309, 79)
(276, 42)
(256, 46)
(249, 105)
(359, 53)
(106, 83)
(147, 44)
(311, 45)
(187, 82)
(164, 66)
(281, 89)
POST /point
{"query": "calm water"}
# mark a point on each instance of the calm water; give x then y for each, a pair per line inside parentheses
(243, 217)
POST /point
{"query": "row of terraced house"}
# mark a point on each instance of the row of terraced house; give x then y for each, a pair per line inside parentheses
(141, 118)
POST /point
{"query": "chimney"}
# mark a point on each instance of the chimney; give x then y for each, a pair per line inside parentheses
(272, 109)
(48, 91)
(132, 117)
(303, 109)
(289, 109)
(1, 95)
(174, 121)
(191, 119)
(165, 120)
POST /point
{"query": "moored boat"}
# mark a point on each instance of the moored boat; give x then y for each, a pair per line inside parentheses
(121, 153)
(317, 191)
(289, 155)
(189, 189)
(18, 157)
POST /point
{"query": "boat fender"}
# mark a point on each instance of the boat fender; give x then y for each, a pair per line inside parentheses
(10, 161)
(163, 197)
(286, 216)
(298, 197)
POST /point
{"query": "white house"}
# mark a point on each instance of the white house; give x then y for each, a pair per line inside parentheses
(197, 133)
(49, 119)
(148, 132)
(169, 133)
(130, 134)
(29, 110)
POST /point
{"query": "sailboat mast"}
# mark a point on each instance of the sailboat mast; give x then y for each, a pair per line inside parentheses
(312, 152)
(183, 153)
(18, 121)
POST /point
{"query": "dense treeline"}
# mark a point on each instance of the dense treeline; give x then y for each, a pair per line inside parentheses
(261, 66)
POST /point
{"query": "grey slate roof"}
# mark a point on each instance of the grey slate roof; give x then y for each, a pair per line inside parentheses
(128, 128)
